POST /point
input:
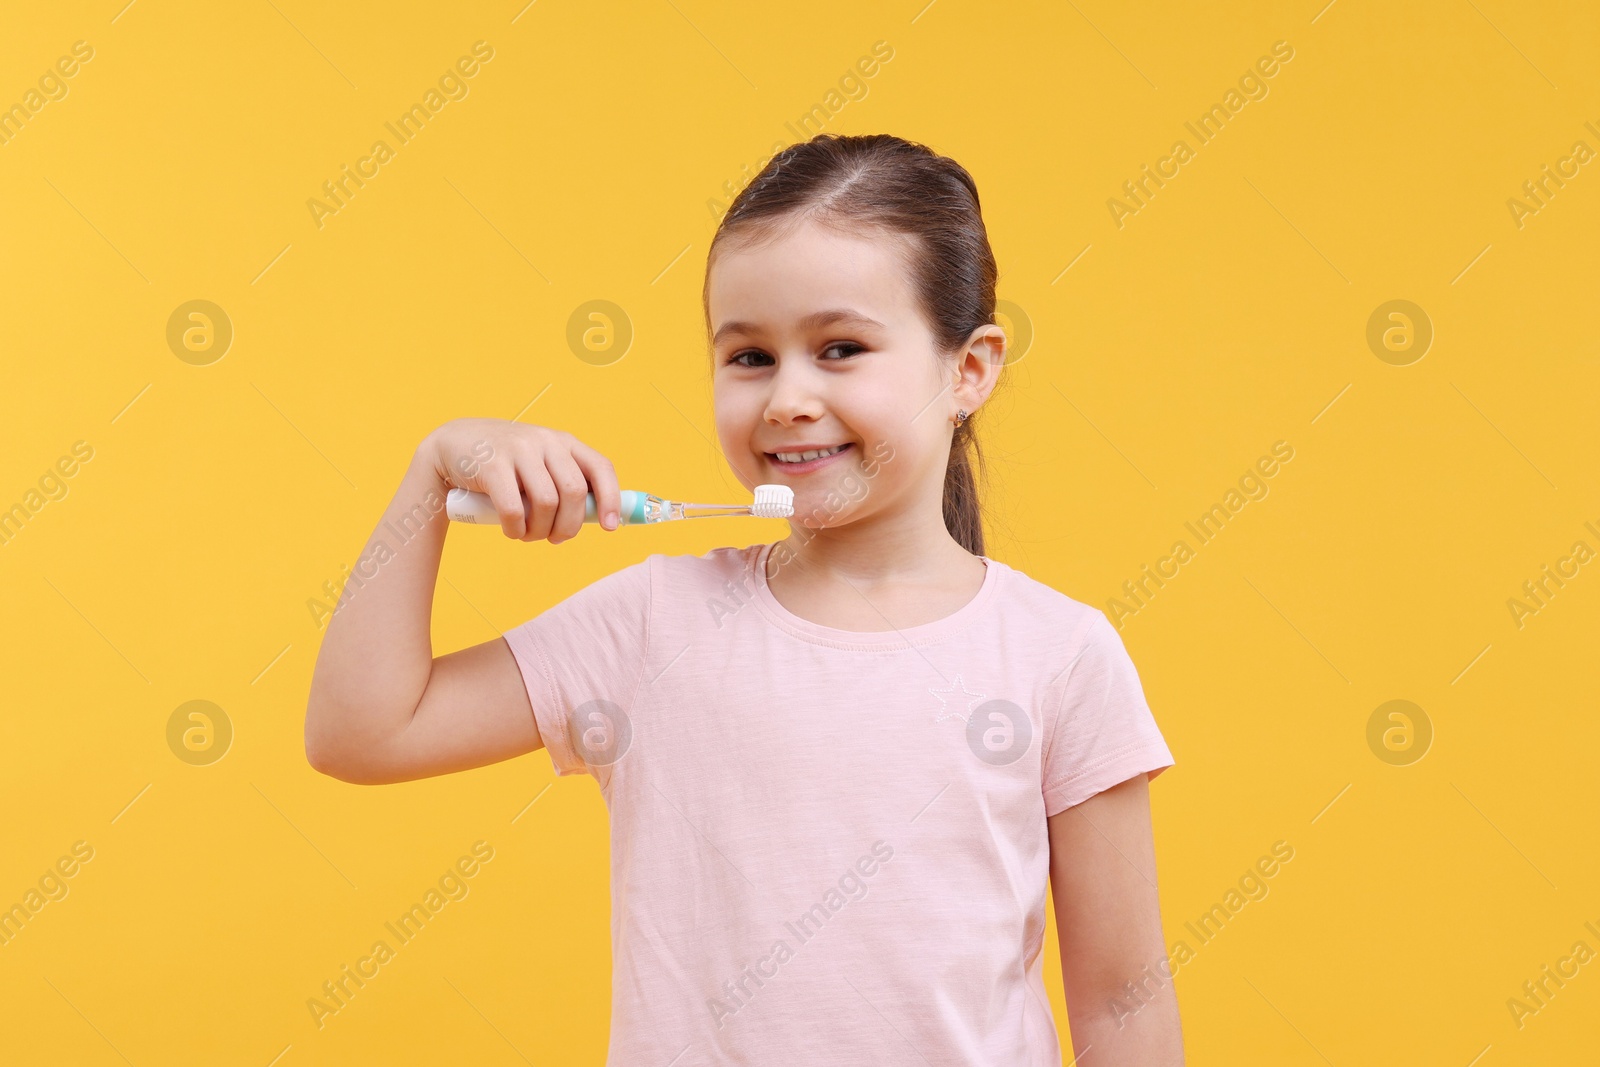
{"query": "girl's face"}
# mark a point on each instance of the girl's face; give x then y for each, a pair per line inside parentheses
(818, 344)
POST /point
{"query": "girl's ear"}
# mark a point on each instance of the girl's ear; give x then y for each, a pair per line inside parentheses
(989, 343)
(978, 367)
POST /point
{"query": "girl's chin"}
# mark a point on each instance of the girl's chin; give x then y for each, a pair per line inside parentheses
(822, 509)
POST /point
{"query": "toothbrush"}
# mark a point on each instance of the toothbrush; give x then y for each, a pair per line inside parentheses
(771, 502)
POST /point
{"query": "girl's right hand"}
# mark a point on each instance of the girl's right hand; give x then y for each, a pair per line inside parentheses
(537, 477)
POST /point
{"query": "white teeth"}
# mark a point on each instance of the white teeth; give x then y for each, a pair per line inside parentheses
(801, 457)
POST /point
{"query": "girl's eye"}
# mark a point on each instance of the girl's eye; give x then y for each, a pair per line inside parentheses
(850, 346)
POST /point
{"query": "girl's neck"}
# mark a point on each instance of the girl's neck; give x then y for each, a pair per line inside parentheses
(868, 556)
(867, 581)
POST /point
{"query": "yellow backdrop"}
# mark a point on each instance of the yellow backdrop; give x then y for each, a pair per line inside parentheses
(1340, 344)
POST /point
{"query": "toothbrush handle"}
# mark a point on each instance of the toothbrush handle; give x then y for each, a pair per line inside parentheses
(463, 505)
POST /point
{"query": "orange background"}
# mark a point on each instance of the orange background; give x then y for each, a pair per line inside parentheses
(1158, 360)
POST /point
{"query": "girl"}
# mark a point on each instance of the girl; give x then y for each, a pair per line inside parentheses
(841, 768)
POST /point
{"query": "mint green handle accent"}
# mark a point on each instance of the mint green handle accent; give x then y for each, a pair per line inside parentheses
(631, 512)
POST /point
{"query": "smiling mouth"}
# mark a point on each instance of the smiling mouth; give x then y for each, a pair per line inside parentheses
(800, 459)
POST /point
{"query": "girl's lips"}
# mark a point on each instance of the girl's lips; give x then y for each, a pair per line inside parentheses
(809, 465)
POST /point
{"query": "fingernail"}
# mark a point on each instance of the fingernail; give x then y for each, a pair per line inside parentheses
(611, 520)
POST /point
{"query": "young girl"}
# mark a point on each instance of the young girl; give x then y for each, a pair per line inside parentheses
(841, 768)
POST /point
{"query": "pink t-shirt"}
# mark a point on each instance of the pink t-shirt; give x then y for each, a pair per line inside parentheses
(829, 847)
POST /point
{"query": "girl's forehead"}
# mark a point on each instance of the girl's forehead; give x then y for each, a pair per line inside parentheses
(784, 279)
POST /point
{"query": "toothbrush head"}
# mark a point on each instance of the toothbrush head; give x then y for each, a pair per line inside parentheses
(773, 502)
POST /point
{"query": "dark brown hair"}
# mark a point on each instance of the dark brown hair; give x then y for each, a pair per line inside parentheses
(895, 186)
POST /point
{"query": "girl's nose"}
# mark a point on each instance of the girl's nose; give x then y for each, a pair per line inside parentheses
(793, 394)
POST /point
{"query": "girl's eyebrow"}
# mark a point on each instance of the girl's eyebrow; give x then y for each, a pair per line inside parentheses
(813, 321)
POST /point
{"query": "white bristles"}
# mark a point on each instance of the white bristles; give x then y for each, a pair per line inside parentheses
(773, 502)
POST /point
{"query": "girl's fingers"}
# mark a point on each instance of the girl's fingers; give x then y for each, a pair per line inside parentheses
(501, 485)
(573, 488)
(602, 478)
(537, 479)
(541, 493)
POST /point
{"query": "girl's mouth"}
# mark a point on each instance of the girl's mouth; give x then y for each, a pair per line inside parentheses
(806, 466)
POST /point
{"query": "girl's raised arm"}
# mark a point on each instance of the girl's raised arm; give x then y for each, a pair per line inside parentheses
(381, 708)
(1121, 1005)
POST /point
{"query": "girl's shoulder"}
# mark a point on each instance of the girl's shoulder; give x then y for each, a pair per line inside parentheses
(1022, 593)
(711, 569)
(657, 584)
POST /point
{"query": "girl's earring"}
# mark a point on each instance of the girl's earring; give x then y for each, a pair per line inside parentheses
(961, 416)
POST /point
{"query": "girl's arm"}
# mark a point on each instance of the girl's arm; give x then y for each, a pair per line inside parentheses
(1121, 1005)
(381, 708)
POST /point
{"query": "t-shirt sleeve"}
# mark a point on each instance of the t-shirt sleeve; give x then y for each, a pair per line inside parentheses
(582, 661)
(1103, 732)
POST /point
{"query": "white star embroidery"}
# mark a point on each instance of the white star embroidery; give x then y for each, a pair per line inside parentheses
(948, 709)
